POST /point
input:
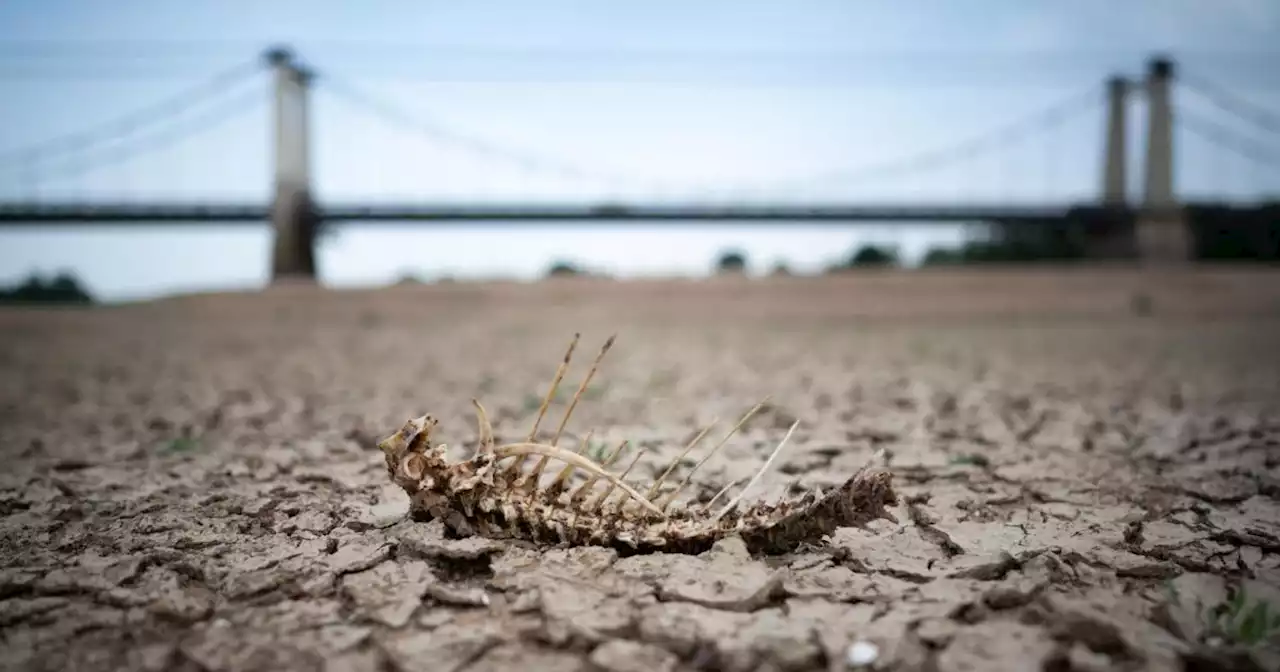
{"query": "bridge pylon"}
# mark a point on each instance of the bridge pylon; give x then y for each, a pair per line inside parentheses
(1115, 188)
(1162, 230)
(294, 217)
(1110, 233)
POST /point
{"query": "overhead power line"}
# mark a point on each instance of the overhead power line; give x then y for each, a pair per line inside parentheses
(136, 46)
(507, 64)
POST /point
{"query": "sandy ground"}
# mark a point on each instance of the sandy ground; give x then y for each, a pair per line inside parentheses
(192, 484)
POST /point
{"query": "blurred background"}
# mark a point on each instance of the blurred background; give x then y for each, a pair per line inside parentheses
(148, 146)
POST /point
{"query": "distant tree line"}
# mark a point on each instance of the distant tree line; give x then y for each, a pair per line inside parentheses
(732, 261)
(870, 256)
(997, 252)
(568, 269)
(560, 269)
(63, 288)
(1224, 234)
(1218, 234)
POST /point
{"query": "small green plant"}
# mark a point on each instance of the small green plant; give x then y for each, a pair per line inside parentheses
(1238, 620)
(596, 450)
(181, 444)
(1241, 621)
(972, 459)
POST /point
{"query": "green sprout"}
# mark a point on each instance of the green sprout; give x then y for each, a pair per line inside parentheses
(1238, 620)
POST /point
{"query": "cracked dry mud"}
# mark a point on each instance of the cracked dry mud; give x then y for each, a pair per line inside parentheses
(192, 484)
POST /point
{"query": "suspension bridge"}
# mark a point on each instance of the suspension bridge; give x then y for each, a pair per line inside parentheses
(1108, 224)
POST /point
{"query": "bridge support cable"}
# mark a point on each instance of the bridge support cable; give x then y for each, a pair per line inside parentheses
(991, 141)
(975, 147)
(1225, 138)
(93, 159)
(433, 130)
(1219, 97)
(123, 126)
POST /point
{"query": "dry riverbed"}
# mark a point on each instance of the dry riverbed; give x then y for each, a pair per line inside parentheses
(192, 484)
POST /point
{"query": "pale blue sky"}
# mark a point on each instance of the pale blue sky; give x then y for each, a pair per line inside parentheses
(665, 98)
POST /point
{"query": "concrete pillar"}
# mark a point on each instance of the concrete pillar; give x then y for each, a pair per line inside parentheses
(1108, 233)
(1158, 177)
(1114, 161)
(1162, 231)
(303, 78)
(293, 214)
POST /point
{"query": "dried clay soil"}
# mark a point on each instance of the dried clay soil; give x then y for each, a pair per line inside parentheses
(192, 484)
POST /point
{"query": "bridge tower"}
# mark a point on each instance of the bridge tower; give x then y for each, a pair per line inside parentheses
(1111, 234)
(1162, 231)
(1115, 190)
(293, 214)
